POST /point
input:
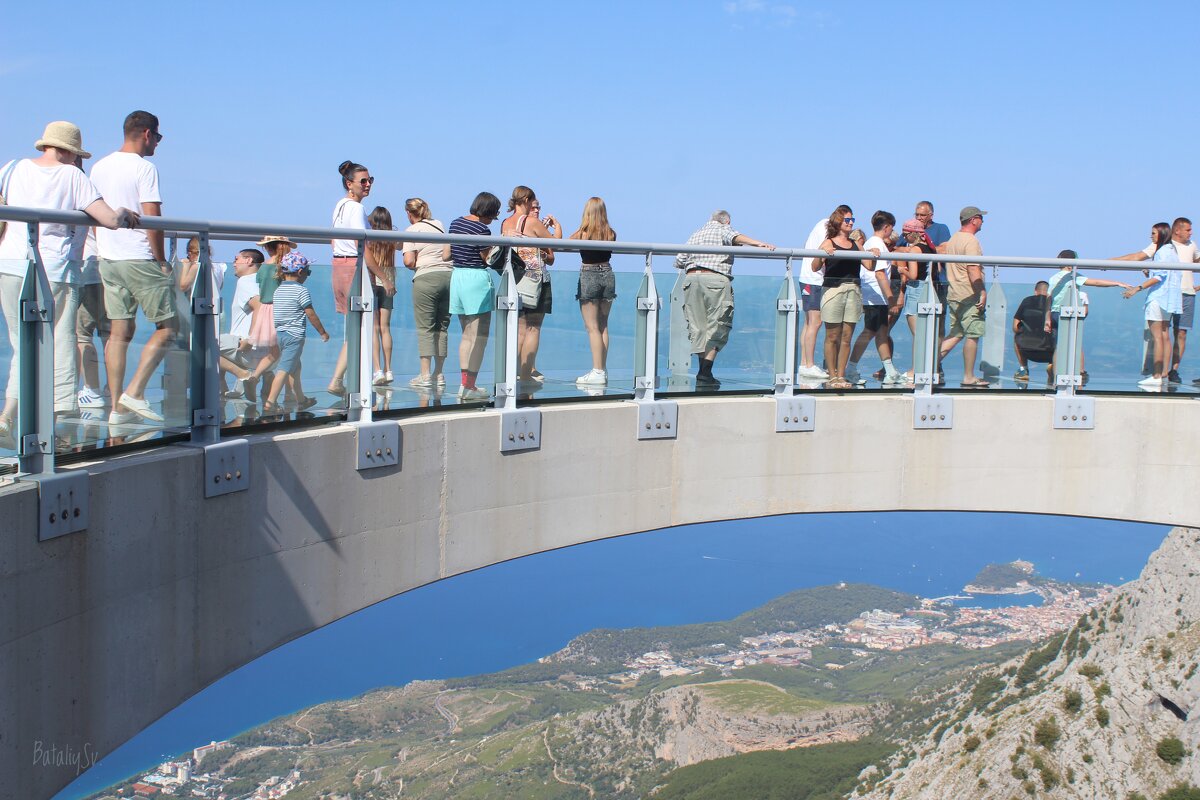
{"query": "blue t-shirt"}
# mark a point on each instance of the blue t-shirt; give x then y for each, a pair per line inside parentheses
(467, 255)
(291, 298)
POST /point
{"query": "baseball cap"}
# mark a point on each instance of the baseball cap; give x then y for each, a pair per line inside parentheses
(969, 212)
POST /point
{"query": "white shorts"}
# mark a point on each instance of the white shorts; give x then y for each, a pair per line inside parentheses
(1155, 313)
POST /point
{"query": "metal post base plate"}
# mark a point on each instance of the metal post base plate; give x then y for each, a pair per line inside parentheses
(376, 444)
(62, 502)
(933, 412)
(226, 467)
(795, 413)
(658, 419)
(1072, 412)
(520, 429)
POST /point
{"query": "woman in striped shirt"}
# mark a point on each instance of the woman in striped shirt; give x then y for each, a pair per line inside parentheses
(472, 295)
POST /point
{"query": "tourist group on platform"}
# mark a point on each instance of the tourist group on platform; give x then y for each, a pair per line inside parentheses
(100, 277)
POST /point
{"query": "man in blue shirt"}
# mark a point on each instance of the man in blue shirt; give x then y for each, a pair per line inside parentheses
(938, 233)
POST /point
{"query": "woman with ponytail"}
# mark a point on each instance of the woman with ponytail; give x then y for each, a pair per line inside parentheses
(348, 213)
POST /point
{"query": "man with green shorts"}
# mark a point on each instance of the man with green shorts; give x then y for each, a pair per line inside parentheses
(966, 298)
(133, 268)
(708, 292)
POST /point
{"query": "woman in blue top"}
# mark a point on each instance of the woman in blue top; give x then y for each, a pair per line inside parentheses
(1164, 299)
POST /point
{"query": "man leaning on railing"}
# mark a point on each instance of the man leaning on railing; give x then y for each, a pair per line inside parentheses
(708, 292)
(55, 180)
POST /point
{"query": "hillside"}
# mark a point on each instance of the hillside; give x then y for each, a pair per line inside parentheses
(1102, 711)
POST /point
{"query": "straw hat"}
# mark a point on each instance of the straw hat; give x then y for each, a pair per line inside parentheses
(266, 240)
(64, 136)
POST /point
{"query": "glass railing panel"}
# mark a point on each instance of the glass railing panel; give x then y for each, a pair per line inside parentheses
(12, 382)
(157, 366)
(1118, 351)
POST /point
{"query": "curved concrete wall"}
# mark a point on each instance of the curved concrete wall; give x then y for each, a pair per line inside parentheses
(103, 631)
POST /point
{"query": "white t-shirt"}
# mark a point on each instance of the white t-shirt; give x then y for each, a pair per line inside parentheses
(348, 214)
(241, 315)
(126, 180)
(62, 187)
(1187, 254)
(429, 256)
(871, 293)
(807, 275)
(91, 262)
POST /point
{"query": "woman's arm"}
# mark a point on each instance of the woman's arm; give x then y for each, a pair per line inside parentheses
(1149, 284)
(1105, 283)
(410, 257)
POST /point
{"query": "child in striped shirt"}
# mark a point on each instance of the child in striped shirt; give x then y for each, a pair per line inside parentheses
(293, 311)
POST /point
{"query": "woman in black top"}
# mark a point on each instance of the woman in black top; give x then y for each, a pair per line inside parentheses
(841, 304)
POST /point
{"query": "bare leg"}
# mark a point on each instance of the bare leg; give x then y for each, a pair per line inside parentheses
(860, 344)
(1161, 331)
(339, 371)
(808, 338)
(833, 341)
(529, 337)
(115, 354)
(152, 353)
(474, 339)
(383, 332)
(970, 346)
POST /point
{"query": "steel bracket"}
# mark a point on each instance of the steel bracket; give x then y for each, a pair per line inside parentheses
(31, 311)
(226, 466)
(205, 307)
(657, 419)
(933, 412)
(1068, 380)
(504, 303)
(33, 443)
(1072, 412)
(520, 429)
(649, 303)
(795, 413)
(358, 400)
(787, 305)
(377, 444)
(362, 303)
(783, 379)
(203, 416)
(928, 309)
(1066, 312)
(62, 502)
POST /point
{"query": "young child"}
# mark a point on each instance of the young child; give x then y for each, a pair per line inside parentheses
(236, 345)
(293, 312)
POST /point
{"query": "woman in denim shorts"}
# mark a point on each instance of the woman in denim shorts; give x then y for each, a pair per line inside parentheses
(597, 288)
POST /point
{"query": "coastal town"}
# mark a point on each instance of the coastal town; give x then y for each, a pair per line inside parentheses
(180, 778)
(935, 622)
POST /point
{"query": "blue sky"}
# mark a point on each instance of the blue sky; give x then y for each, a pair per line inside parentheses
(1068, 121)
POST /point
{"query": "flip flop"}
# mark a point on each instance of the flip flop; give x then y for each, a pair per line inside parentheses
(978, 383)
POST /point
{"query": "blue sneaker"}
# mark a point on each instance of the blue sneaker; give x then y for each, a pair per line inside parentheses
(1022, 374)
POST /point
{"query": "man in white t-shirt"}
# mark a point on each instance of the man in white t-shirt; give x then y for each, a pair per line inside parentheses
(878, 300)
(811, 292)
(56, 181)
(134, 269)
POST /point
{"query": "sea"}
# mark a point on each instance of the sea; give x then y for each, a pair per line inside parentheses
(513, 613)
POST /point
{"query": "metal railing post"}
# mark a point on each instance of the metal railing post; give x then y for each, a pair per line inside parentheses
(657, 419)
(35, 363)
(929, 410)
(1071, 410)
(508, 308)
(360, 342)
(205, 393)
(786, 314)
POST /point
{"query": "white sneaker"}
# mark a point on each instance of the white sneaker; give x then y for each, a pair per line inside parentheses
(378, 379)
(1151, 383)
(813, 371)
(141, 408)
(894, 379)
(119, 418)
(474, 393)
(388, 376)
(595, 377)
(88, 398)
(854, 377)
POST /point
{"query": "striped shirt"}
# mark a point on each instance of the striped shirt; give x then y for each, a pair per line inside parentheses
(467, 255)
(291, 298)
(713, 234)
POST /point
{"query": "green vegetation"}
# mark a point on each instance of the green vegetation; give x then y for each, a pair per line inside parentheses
(741, 696)
(1072, 701)
(1038, 659)
(1170, 750)
(972, 743)
(1102, 691)
(805, 608)
(1047, 733)
(1090, 670)
(1182, 791)
(1102, 716)
(986, 690)
(808, 773)
(1003, 576)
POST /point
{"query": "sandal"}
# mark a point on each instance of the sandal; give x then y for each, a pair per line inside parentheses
(978, 383)
(307, 402)
(337, 388)
(270, 410)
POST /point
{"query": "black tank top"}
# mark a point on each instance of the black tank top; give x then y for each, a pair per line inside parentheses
(841, 270)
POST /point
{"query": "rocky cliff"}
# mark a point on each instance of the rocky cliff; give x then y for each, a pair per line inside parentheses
(1108, 710)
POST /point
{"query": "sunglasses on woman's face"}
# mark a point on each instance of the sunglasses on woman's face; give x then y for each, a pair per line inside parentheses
(847, 220)
(365, 181)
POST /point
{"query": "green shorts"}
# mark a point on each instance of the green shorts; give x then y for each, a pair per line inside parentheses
(966, 320)
(129, 285)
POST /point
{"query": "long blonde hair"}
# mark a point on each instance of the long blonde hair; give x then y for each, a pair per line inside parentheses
(594, 225)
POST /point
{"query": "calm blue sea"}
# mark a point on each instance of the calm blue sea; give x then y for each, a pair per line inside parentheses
(515, 612)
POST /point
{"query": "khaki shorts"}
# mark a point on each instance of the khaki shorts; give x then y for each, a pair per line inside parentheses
(965, 319)
(129, 285)
(91, 318)
(708, 310)
(842, 304)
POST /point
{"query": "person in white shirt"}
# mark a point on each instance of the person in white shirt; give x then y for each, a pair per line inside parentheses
(348, 213)
(236, 346)
(811, 292)
(878, 303)
(134, 269)
(54, 180)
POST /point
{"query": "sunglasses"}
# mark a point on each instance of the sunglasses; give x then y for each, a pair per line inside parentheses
(847, 220)
(365, 181)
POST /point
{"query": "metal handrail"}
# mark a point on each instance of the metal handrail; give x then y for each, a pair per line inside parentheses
(240, 231)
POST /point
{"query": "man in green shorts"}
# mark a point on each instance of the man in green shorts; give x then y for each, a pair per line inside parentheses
(966, 298)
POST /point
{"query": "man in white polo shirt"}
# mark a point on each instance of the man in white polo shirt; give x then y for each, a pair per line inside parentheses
(133, 268)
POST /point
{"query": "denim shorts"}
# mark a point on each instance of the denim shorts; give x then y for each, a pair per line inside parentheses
(596, 284)
(912, 295)
(290, 348)
(810, 296)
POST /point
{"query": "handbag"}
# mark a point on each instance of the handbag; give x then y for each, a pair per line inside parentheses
(529, 282)
(4, 181)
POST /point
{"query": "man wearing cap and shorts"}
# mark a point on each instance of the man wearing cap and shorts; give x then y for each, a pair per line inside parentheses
(708, 292)
(966, 297)
(812, 289)
(133, 268)
(52, 181)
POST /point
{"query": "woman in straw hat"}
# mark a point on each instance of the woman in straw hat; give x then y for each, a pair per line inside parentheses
(54, 180)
